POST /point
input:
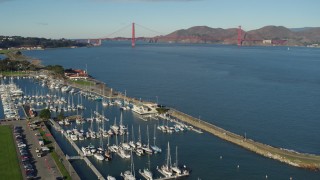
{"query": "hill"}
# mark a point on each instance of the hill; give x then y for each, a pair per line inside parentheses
(268, 35)
(18, 42)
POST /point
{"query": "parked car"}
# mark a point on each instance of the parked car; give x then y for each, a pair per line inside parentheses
(21, 145)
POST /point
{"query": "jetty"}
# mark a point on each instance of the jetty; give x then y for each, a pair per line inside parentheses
(81, 155)
(302, 160)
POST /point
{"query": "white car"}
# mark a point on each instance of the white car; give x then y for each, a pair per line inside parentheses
(22, 145)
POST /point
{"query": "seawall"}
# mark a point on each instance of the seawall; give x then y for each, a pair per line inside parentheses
(302, 160)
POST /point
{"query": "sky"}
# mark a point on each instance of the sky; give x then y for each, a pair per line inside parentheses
(103, 18)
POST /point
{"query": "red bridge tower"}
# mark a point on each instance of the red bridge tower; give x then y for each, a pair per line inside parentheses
(133, 41)
(239, 36)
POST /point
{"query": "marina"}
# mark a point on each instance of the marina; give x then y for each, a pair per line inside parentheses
(82, 126)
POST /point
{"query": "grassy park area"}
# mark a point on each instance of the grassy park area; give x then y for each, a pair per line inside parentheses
(9, 164)
(83, 82)
(14, 73)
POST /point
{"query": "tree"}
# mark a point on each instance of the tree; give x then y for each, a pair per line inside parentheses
(18, 53)
(45, 114)
(162, 110)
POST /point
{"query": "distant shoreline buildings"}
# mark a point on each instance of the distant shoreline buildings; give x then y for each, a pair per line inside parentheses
(75, 74)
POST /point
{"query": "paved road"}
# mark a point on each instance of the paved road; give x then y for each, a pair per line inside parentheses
(45, 166)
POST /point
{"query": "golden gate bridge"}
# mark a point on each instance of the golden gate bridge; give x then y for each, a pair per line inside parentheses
(239, 34)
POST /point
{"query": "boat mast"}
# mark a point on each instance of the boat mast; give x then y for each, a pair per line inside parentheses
(78, 100)
(168, 157)
(149, 163)
(125, 95)
(132, 134)
(132, 166)
(81, 100)
(148, 134)
(101, 142)
(91, 121)
(120, 124)
(72, 101)
(103, 120)
(176, 156)
(116, 139)
(139, 134)
(127, 135)
(154, 135)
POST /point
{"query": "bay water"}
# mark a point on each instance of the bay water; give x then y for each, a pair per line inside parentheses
(271, 94)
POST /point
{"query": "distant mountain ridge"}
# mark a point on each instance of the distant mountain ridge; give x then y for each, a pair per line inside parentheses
(268, 35)
(301, 29)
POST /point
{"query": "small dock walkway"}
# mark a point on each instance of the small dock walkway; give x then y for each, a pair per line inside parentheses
(81, 155)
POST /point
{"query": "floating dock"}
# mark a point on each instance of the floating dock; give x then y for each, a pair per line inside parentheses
(81, 155)
(176, 176)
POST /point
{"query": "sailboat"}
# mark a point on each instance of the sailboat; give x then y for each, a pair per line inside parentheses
(146, 173)
(132, 143)
(107, 153)
(104, 102)
(104, 132)
(175, 167)
(122, 128)
(114, 127)
(129, 175)
(100, 151)
(147, 148)
(138, 148)
(111, 178)
(114, 147)
(155, 148)
(126, 145)
(180, 171)
(166, 168)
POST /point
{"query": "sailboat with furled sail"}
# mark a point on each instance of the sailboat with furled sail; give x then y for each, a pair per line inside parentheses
(146, 173)
(146, 148)
(129, 175)
(166, 168)
(155, 148)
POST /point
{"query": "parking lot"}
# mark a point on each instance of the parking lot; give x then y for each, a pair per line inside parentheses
(35, 163)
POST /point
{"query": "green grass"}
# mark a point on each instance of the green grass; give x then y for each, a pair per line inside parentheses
(83, 82)
(9, 164)
(46, 141)
(61, 167)
(13, 73)
(55, 156)
(4, 51)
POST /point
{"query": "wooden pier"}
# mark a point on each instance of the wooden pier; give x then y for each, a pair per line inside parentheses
(81, 155)
(73, 157)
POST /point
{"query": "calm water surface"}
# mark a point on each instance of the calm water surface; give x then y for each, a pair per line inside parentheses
(269, 93)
